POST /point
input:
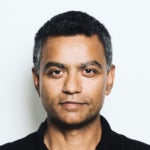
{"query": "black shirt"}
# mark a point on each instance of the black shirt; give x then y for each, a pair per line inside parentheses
(110, 140)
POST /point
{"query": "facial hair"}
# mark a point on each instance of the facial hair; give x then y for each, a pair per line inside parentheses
(66, 126)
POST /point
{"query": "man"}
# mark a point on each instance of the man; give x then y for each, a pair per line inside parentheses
(72, 73)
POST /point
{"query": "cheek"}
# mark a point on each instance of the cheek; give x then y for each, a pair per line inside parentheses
(49, 93)
(95, 89)
(49, 90)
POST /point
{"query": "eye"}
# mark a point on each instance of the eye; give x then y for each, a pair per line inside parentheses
(55, 73)
(88, 72)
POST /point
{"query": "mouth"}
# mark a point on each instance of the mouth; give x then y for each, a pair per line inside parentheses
(72, 105)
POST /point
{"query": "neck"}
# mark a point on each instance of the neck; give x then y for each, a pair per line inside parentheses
(85, 138)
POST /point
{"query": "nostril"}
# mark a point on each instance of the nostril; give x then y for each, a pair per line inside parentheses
(71, 89)
(72, 85)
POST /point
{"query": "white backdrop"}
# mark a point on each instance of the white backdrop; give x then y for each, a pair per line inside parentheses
(127, 108)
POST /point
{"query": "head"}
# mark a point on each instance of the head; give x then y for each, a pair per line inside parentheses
(73, 68)
(68, 24)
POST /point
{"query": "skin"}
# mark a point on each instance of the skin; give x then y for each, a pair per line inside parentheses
(72, 84)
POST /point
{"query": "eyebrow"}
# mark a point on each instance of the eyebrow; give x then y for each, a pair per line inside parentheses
(91, 63)
(55, 64)
(63, 66)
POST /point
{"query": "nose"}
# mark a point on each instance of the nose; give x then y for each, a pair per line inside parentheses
(72, 84)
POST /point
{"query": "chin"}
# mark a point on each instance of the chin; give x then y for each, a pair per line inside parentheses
(70, 123)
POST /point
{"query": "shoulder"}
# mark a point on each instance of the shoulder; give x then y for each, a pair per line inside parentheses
(26, 143)
(125, 143)
(114, 141)
(31, 142)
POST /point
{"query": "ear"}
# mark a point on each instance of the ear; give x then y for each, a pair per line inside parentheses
(110, 79)
(36, 80)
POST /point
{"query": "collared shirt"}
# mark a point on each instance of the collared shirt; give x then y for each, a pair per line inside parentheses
(110, 140)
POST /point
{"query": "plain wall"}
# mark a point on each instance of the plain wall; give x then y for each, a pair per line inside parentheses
(127, 108)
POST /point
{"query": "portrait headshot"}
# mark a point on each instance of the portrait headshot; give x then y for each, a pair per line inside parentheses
(75, 76)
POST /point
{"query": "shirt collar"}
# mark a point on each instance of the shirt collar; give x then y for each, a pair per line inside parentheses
(105, 141)
(40, 137)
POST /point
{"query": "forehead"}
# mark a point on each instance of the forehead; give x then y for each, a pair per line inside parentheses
(73, 49)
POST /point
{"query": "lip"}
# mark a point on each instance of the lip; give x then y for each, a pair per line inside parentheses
(72, 105)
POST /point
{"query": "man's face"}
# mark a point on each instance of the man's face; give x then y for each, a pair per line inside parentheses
(73, 78)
